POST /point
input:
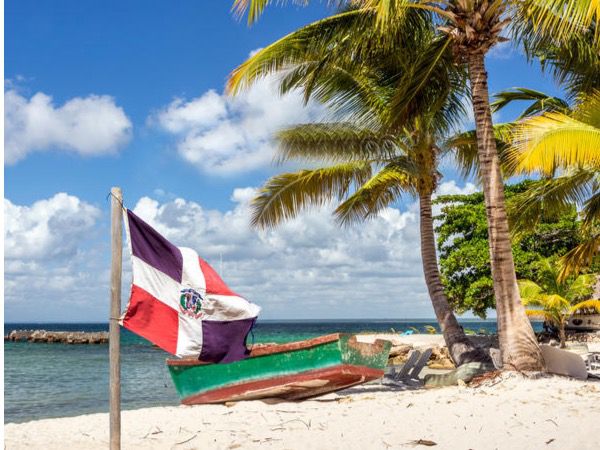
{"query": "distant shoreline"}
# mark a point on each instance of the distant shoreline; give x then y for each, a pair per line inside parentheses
(425, 320)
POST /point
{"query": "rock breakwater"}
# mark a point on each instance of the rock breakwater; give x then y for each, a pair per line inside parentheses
(63, 337)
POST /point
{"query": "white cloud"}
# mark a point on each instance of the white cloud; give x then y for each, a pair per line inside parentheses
(48, 263)
(48, 228)
(89, 126)
(226, 135)
(503, 50)
(308, 267)
(57, 258)
(451, 188)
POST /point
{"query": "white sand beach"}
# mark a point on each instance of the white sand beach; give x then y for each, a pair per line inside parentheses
(508, 412)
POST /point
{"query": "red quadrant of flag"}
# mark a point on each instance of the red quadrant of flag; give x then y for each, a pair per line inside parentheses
(152, 319)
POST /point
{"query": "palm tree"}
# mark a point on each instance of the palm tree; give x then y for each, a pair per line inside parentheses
(473, 27)
(556, 298)
(566, 141)
(397, 139)
(409, 170)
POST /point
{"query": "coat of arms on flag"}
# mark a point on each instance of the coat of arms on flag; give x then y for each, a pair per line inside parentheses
(180, 303)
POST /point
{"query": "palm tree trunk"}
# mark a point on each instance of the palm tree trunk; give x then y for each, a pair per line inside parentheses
(518, 344)
(562, 335)
(461, 349)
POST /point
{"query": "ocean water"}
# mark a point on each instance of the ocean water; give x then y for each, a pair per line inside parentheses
(59, 380)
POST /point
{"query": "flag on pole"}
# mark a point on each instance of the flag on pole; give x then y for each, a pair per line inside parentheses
(180, 303)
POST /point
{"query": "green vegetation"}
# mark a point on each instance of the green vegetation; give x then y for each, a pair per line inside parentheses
(464, 257)
(557, 298)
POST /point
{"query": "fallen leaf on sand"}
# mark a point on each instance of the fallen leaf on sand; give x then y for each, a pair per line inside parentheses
(549, 441)
(424, 442)
(153, 430)
(345, 400)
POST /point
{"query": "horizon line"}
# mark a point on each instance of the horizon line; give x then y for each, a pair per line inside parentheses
(429, 319)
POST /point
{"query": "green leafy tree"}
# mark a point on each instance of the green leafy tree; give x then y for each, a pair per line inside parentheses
(555, 298)
(462, 243)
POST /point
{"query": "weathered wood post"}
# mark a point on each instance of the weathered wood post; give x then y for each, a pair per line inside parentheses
(115, 311)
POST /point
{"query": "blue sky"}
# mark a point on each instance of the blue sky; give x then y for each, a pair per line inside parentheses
(130, 93)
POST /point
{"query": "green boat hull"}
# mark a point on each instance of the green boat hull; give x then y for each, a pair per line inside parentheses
(292, 371)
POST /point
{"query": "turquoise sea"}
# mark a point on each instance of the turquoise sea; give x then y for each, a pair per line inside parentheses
(58, 380)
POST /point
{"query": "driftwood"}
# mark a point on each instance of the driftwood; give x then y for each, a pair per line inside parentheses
(63, 337)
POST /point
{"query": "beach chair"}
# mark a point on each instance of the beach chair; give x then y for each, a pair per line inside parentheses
(405, 368)
(413, 366)
(420, 364)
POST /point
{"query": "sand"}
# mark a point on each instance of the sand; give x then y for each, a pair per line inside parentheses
(509, 412)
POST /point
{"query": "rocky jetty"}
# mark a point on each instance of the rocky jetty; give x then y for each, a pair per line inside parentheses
(63, 337)
(440, 357)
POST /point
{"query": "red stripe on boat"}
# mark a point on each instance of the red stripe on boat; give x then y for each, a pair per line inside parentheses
(152, 319)
(290, 387)
(214, 283)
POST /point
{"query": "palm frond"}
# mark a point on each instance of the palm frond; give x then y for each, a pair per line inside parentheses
(587, 305)
(353, 94)
(591, 208)
(582, 287)
(255, 8)
(539, 314)
(388, 79)
(554, 21)
(554, 140)
(548, 199)
(531, 292)
(427, 86)
(574, 64)
(540, 102)
(284, 196)
(556, 302)
(335, 142)
(588, 108)
(309, 43)
(580, 257)
(463, 147)
(380, 191)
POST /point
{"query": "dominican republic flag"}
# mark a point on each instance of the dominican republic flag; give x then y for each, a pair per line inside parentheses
(180, 303)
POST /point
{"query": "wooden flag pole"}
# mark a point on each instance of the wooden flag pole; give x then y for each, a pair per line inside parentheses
(115, 311)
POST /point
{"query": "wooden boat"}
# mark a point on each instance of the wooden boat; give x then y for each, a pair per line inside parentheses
(583, 322)
(289, 371)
